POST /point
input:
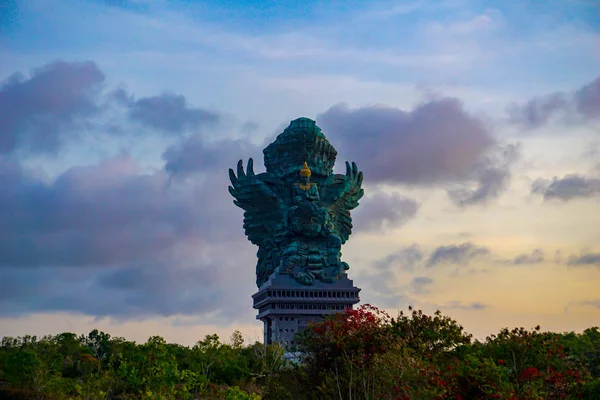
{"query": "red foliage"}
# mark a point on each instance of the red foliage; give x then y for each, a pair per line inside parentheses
(529, 374)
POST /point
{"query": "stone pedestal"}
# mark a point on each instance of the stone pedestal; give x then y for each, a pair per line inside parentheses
(286, 307)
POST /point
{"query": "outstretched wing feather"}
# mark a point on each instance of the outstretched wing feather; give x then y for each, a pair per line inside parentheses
(341, 194)
(256, 195)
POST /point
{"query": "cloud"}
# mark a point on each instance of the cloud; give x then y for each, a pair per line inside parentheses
(587, 99)
(477, 306)
(382, 210)
(584, 303)
(112, 239)
(195, 154)
(105, 214)
(126, 292)
(407, 258)
(585, 259)
(40, 113)
(420, 283)
(538, 111)
(567, 188)
(491, 178)
(170, 114)
(581, 105)
(477, 25)
(456, 254)
(435, 142)
(591, 303)
(411, 257)
(535, 257)
(193, 286)
(381, 284)
(35, 112)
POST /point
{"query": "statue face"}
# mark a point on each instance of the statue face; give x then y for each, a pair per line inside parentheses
(304, 179)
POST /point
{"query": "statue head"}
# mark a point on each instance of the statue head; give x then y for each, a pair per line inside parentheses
(301, 141)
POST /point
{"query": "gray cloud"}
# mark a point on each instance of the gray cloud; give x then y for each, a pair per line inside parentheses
(578, 106)
(381, 210)
(538, 111)
(587, 99)
(566, 188)
(420, 283)
(585, 259)
(535, 257)
(435, 142)
(380, 287)
(585, 303)
(406, 258)
(195, 154)
(106, 214)
(113, 240)
(456, 254)
(41, 112)
(35, 111)
(477, 306)
(126, 292)
(170, 114)
(592, 303)
(491, 178)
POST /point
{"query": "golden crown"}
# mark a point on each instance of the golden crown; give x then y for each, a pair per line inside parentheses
(305, 171)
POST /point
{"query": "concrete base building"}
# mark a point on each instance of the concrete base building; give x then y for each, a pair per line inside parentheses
(286, 307)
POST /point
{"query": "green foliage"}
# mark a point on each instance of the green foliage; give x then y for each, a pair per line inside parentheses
(359, 354)
(363, 354)
(433, 335)
(235, 393)
(96, 366)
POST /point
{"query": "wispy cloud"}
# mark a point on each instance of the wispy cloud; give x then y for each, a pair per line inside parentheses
(581, 105)
(420, 284)
(584, 259)
(456, 254)
(535, 257)
(476, 306)
(36, 111)
(566, 188)
(406, 258)
(382, 211)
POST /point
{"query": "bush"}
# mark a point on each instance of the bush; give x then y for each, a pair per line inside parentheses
(360, 354)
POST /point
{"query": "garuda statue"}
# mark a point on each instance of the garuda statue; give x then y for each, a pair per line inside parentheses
(298, 211)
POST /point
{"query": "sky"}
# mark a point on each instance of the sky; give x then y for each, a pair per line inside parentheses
(476, 124)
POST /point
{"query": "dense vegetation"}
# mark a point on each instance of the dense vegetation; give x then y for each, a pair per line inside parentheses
(360, 354)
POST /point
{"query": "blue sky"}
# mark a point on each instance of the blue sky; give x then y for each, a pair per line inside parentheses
(476, 123)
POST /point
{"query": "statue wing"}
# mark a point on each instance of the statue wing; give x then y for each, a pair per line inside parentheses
(257, 196)
(341, 193)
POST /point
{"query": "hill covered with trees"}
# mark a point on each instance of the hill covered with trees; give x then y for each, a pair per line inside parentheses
(358, 354)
